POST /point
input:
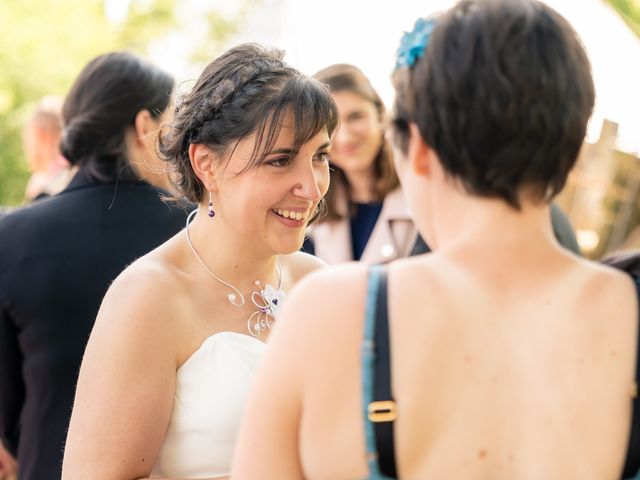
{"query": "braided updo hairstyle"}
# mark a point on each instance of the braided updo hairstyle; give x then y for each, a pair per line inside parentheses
(248, 90)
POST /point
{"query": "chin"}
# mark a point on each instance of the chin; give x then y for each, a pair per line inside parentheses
(288, 247)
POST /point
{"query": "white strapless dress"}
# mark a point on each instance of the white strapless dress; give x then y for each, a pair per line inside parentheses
(211, 391)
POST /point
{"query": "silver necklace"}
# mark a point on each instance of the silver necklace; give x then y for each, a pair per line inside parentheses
(268, 300)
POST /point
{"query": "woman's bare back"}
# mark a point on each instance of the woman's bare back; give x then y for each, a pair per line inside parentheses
(497, 373)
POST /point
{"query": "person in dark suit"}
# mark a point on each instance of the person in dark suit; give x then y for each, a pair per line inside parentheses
(59, 255)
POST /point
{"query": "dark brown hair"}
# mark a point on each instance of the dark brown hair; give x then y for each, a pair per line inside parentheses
(102, 104)
(502, 94)
(248, 90)
(345, 77)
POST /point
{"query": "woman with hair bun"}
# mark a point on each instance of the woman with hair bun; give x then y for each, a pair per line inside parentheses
(181, 331)
(59, 255)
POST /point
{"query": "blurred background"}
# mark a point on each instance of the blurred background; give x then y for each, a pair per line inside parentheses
(47, 42)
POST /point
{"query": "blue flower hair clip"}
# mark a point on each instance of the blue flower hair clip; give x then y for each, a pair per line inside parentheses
(413, 43)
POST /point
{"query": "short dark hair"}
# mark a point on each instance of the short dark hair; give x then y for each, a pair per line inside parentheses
(345, 77)
(502, 94)
(247, 90)
(102, 103)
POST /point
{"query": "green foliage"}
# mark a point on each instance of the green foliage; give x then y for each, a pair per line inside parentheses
(629, 10)
(220, 28)
(46, 43)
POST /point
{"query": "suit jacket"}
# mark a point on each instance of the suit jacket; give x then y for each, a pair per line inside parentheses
(57, 259)
(393, 236)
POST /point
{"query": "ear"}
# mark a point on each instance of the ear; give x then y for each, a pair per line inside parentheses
(418, 153)
(40, 133)
(203, 164)
(144, 125)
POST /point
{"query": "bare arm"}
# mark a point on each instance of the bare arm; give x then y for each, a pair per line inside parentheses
(268, 439)
(127, 380)
(268, 445)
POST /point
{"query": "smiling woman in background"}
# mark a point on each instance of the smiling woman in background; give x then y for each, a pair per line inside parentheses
(367, 218)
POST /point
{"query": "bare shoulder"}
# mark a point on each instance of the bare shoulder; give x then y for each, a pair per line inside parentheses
(322, 320)
(143, 284)
(419, 277)
(127, 374)
(328, 297)
(612, 286)
(339, 280)
(299, 264)
(142, 303)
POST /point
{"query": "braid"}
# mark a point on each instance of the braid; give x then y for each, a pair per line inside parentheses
(247, 90)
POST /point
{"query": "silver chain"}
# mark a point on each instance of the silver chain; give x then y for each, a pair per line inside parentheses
(231, 297)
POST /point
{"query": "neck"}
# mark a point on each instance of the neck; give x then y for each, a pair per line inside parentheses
(490, 224)
(361, 186)
(41, 162)
(234, 260)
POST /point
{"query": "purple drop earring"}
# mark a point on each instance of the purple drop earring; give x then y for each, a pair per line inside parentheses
(211, 211)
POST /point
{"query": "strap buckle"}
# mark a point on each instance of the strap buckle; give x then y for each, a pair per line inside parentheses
(382, 411)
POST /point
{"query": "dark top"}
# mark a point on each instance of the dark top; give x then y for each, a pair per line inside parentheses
(362, 224)
(380, 371)
(57, 259)
(363, 221)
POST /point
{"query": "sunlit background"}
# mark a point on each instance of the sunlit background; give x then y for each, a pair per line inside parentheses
(46, 43)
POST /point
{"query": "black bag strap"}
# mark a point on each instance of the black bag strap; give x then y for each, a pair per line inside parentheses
(382, 409)
(632, 462)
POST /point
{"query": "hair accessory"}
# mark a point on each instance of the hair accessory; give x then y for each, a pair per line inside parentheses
(268, 300)
(212, 213)
(413, 43)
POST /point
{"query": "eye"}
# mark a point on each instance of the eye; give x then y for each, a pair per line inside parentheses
(279, 161)
(324, 156)
(354, 116)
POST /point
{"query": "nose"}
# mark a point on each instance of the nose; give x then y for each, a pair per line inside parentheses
(341, 136)
(308, 183)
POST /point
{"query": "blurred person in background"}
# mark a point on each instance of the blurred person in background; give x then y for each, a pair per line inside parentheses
(58, 255)
(497, 355)
(366, 217)
(50, 171)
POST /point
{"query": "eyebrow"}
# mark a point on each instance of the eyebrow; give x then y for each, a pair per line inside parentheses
(290, 150)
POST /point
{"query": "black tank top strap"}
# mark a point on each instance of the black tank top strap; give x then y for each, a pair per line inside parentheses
(632, 462)
(383, 406)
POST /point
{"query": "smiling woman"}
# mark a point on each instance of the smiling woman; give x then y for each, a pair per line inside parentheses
(367, 218)
(181, 331)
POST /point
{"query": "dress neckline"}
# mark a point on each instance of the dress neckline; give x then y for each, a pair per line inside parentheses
(222, 334)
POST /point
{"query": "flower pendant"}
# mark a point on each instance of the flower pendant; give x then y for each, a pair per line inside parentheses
(269, 301)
